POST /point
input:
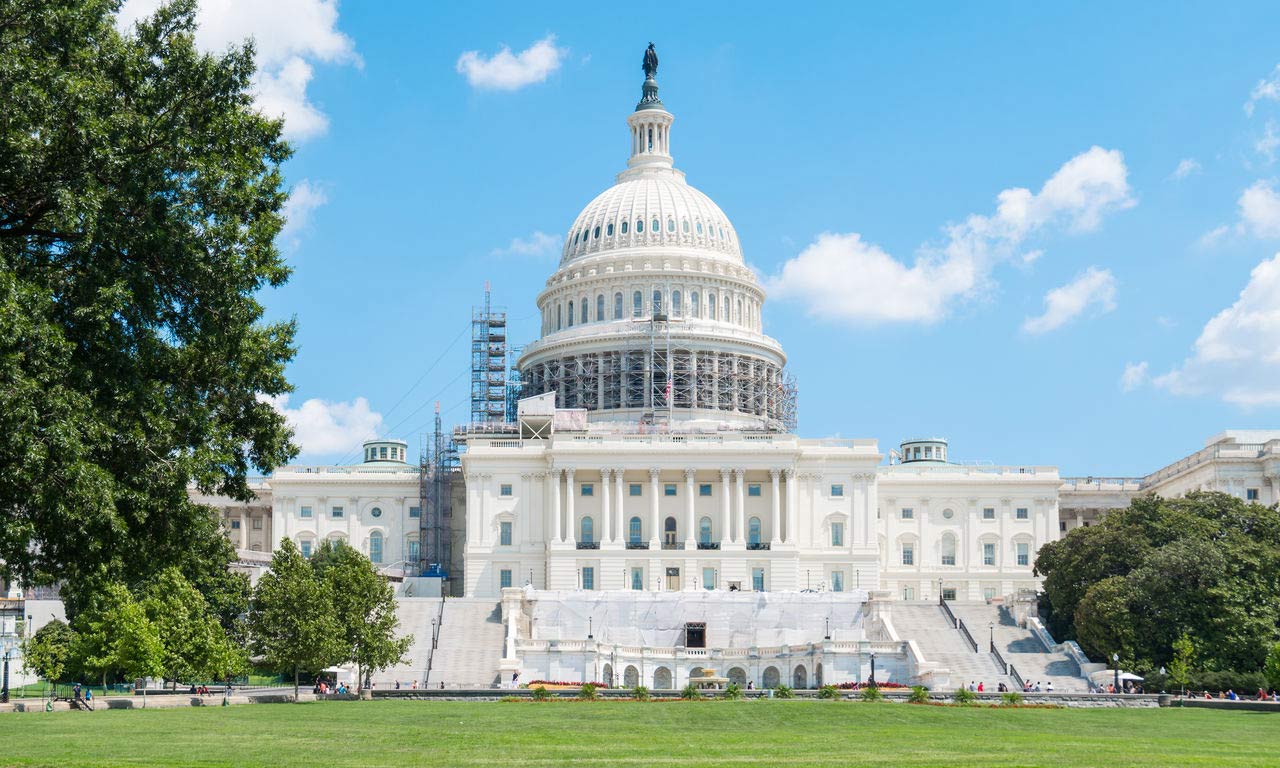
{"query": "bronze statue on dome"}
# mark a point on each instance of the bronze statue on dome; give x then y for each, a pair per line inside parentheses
(650, 62)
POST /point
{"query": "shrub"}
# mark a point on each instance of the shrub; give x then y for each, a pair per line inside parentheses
(541, 694)
(1012, 699)
(732, 691)
(587, 692)
(691, 693)
(872, 693)
(919, 695)
(965, 696)
(828, 692)
(640, 693)
(784, 692)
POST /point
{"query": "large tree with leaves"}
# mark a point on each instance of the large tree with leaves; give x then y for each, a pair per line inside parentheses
(140, 197)
(196, 647)
(364, 605)
(47, 652)
(292, 624)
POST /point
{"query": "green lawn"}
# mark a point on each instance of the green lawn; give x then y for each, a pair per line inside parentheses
(792, 733)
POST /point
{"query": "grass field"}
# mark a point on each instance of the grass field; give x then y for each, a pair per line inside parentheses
(789, 733)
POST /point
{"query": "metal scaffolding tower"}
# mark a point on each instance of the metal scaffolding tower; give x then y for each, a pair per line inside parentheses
(437, 469)
(488, 363)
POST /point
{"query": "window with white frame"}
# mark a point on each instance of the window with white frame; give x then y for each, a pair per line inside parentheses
(257, 522)
(637, 578)
(757, 579)
(669, 489)
(948, 549)
(837, 534)
(504, 578)
(504, 489)
(635, 489)
(305, 512)
(988, 513)
(415, 512)
(588, 489)
(1021, 513)
(908, 554)
(837, 490)
(988, 553)
(753, 489)
(837, 581)
(588, 577)
(504, 533)
(305, 545)
(908, 593)
(375, 547)
(708, 578)
(704, 489)
(1250, 494)
(908, 513)
(1024, 553)
(336, 512)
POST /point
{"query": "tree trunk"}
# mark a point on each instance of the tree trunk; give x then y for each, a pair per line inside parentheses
(295, 683)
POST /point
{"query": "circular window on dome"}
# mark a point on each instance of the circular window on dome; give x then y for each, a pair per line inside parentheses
(656, 226)
(376, 512)
(948, 514)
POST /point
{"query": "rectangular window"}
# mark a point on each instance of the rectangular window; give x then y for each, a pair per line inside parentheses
(235, 525)
(669, 489)
(949, 594)
(757, 579)
(837, 490)
(1251, 494)
(588, 489)
(588, 577)
(908, 513)
(989, 593)
(415, 512)
(908, 593)
(708, 578)
(504, 533)
(1062, 526)
(948, 558)
(257, 523)
(988, 553)
(637, 579)
(306, 512)
(414, 551)
(337, 512)
(908, 554)
(837, 534)
(634, 489)
(1021, 513)
(306, 547)
(704, 489)
(1024, 554)
(837, 581)
(504, 578)
(988, 513)
(505, 489)
(753, 489)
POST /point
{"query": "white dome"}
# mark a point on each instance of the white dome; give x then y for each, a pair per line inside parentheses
(623, 216)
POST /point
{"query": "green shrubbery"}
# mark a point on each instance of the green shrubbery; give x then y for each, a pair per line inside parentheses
(587, 692)
(1011, 699)
(640, 693)
(828, 692)
(919, 695)
(784, 692)
(733, 691)
(871, 693)
(541, 693)
(965, 696)
(691, 693)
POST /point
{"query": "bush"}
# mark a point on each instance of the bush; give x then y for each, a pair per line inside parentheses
(732, 691)
(828, 692)
(640, 693)
(919, 695)
(541, 694)
(872, 693)
(587, 692)
(784, 692)
(965, 696)
(1012, 699)
(691, 693)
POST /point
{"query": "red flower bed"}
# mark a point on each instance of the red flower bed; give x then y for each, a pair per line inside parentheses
(565, 683)
(860, 686)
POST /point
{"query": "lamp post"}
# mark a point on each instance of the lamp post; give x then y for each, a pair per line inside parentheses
(873, 669)
(826, 635)
(591, 628)
(1115, 657)
(433, 633)
(1162, 681)
(992, 626)
(4, 689)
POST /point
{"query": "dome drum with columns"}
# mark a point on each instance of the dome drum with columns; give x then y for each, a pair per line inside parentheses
(652, 314)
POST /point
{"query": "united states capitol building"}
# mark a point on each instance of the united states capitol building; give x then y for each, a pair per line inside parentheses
(649, 512)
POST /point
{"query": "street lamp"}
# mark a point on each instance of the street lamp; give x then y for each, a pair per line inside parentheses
(1115, 657)
(4, 689)
(873, 669)
(1163, 683)
(827, 623)
(992, 625)
(434, 636)
(590, 628)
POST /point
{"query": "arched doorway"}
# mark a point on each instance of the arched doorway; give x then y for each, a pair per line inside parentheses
(662, 679)
(606, 675)
(800, 678)
(771, 677)
(737, 676)
(695, 672)
(631, 676)
(669, 531)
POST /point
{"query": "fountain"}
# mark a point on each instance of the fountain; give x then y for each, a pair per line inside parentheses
(707, 681)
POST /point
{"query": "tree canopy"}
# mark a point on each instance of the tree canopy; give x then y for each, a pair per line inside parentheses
(292, 624)
(1164, 576)
(140, 197)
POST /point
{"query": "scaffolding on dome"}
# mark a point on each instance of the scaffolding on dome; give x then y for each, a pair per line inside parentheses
(488, 363)
(437, 468)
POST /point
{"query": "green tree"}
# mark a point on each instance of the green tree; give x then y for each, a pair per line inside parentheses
(364, 606)
(47, 652)
(114, 637)
(1184, 655)
(135, 646)
(1271, 668)
(195, 645)
(291, 623)
(140, 197)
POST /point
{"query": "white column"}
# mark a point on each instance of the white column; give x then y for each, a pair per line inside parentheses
(792, 523)
(724, 507)
(623, 526)
(570, 522)
(689, 541)
(655, 530)
(557, 533)
(739, 513)
(775, 511)
(606, 533)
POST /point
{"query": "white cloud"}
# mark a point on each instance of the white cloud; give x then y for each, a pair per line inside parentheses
(1267, 89)
(1134, 376)
(288, 36)
(1186, 167)
(1260, 209)
(1269, 142)
(1213, 237)
(504, 71)
(304, 198)
(1093, 288)
(323, 427)
(1237, 356)
(840, 276)
(537, 245)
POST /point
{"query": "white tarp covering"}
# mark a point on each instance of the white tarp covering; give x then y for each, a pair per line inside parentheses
(733, 619)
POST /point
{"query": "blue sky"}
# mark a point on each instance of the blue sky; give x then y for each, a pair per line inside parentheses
(418, 167)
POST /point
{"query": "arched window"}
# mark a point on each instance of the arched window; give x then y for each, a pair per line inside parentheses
(948, 549)
(600, 308)
(575, 237)
(753, 531)
(608, 230)
(584, 311)
(596, 233)
(656, 227)
(570, 313)
(637, 304)
(657, 302)
(693, 304)
(639, 226)
(711, 304)
(727, 317)
(559, 316)
(677, 306)
(737, 318)
(588, 531)
(624, 227)
(669, 530)
(685, 225)
(375, 547)
(617, 305)
(633, 530)
(704, 531)
(699, 227)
